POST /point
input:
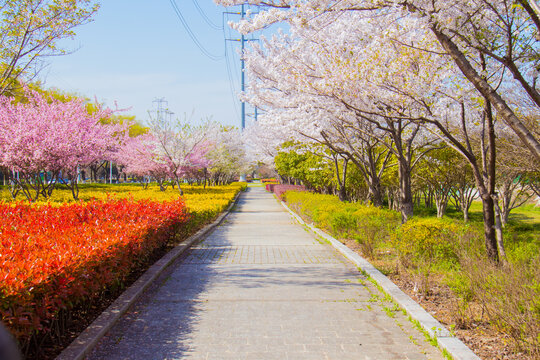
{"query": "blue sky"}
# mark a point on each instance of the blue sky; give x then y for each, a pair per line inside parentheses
(136, 51)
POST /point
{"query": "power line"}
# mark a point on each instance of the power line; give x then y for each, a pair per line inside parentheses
(206, 18)
(229, 68)
(231, 52)
(231, 81)
(192, 34)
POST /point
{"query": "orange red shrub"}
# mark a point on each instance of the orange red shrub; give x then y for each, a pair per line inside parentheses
(53, 257)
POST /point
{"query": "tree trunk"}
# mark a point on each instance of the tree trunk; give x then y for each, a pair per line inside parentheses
(205, 176)
(406, 204)
(162, 184)
(490, 236)
(465, 214)
(75, 190)
(375, 193)
(179, 187)
(498, 230)
(341, 178)
(373, 180)
(441, 204)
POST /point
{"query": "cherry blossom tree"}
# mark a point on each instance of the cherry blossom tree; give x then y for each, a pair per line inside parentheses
(180, 145)
(505, 32)
(140, 157)
(43, 140)
(227, 157)
(392, 72)
(328, 96)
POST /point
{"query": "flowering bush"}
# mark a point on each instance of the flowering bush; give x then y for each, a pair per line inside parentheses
(269, 187)
(429, 241)
(56, 255)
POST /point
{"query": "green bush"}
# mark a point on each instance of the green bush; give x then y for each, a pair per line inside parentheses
(342, 223)
(368, 225)
(374, 226)
(432, 241)
(426, 245)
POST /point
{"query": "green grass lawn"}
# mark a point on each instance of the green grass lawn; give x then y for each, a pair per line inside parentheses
(529, 213)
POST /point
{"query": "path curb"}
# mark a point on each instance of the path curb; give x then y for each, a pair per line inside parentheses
(88, 339)
(445, 340)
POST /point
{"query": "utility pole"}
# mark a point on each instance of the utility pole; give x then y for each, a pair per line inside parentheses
(243, 67)
(242, 40)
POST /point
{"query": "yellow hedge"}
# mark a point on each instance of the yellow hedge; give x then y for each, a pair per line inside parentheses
(206, 202)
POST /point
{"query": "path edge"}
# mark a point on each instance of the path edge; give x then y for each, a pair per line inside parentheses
(445, 340)
(88, 339)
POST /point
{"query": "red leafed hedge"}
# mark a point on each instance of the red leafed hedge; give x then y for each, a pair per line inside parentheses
(270, 187)
(52, 258)
(279, 190)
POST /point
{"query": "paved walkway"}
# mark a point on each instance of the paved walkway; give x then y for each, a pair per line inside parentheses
(262, 287)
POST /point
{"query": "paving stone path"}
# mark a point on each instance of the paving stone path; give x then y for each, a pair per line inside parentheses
(262, 287)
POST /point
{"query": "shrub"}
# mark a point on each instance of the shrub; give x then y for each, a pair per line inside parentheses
(57, 255)
(54, 257)
(424, 245)
(509, 297)
(373, 226)
(508, 294)
(342, 223)
(280, 190)
(270, 187)
(368, 225)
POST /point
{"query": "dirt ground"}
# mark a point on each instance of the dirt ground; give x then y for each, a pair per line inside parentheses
(480, 336)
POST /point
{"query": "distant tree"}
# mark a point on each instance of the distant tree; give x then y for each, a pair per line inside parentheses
(463, 189)
(178, 144)
(436, 171)
(139, 156)
(312, 164)
(227, 156)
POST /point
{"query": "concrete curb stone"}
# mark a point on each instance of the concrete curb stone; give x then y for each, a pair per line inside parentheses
(88, 339)
(445, 340)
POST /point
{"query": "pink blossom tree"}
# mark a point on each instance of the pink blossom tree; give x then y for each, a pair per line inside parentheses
(179, 145)
(43, 138)
(139, 156)
(198, 162)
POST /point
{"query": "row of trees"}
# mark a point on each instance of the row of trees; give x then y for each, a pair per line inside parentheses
(387, 83)
(440, 178)
(174, 152)
(46, 139)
